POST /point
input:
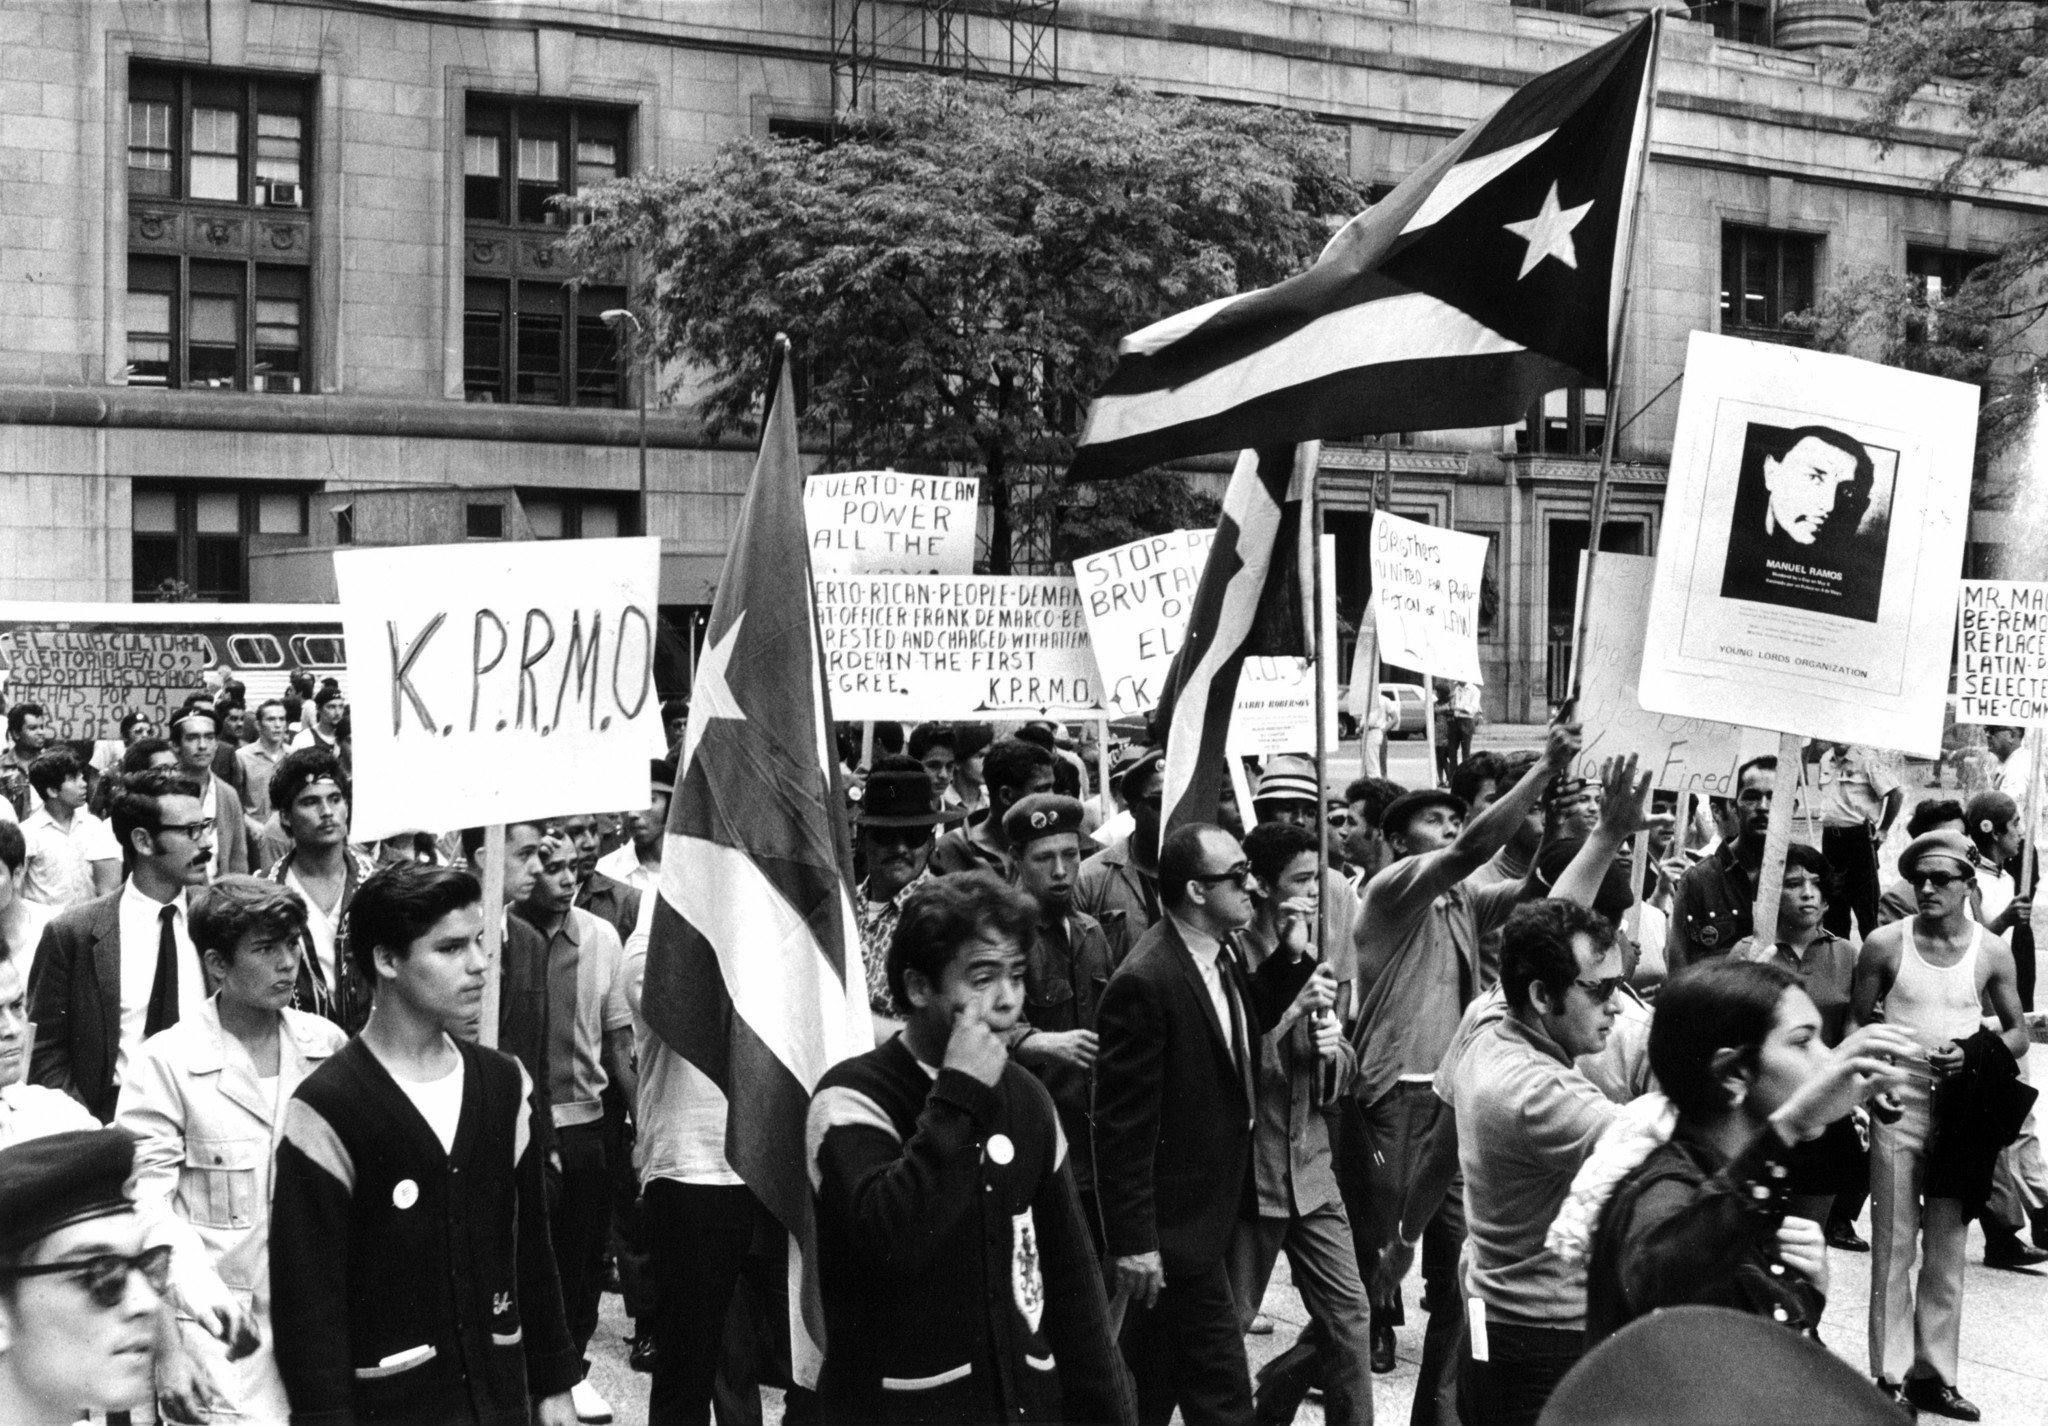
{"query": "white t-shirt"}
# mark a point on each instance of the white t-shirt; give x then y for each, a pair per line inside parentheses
(439, 1102)
(319, 925)
(681, 1114)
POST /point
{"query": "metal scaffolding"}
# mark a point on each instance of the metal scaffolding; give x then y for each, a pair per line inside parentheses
(1014, 41)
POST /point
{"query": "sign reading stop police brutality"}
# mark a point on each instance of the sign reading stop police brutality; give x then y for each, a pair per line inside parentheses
(90, 665)
(911, 648)
(1813, 535)
(1137, 598)
(490, 683)
(2002, 652)
(891, 522)
(1425, 590)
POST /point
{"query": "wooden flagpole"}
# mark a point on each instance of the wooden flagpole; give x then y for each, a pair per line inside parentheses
(495, 912)
(1318, 633)
(1611, 430)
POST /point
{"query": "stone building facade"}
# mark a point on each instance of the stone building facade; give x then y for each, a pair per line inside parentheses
(256, 255)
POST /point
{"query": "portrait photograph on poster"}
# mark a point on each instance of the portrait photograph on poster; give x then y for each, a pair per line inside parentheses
(1812, 513)
(1811, 549)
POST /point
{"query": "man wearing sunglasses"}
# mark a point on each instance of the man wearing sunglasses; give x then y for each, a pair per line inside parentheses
(116, 970)
(1933, 973)
(79, 1291)
(1175, 1101)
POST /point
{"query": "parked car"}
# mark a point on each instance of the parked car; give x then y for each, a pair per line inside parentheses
(1412, 702)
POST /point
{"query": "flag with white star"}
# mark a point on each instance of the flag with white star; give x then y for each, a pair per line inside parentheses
(753, 973)
(1492, 275)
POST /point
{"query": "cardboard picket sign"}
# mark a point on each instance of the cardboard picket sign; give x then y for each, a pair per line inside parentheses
(891, 522)
(1680, 754)
(1137, 597)
(1812, 543)
(497, 682)
(2002, 652)
(909, 648)
(1425, 591)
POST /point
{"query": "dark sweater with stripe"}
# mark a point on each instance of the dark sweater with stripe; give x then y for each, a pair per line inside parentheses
(409, 1284)
(959, 1280)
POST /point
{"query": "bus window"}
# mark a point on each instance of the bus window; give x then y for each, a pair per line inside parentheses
(319, 651)
(255, 651)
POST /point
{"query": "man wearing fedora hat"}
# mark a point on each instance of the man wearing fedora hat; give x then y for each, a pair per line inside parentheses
(895, 818)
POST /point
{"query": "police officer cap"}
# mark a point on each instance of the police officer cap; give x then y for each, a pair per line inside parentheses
(61, 1179)
(1042, 814)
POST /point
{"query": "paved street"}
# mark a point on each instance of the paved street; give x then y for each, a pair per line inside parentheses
(2005, 1323)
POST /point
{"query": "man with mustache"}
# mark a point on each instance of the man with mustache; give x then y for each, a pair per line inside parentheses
(193, 734)
(898, 815)
(134, 941)
(1798, 538)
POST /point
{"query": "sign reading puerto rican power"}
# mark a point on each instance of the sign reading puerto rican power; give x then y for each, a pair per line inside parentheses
(1425, 590)
(2002, 652)
(494, 682)
(1811, 546)
(911, 648)
(891, 522)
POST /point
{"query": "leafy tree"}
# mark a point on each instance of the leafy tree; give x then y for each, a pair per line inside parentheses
(955, 269)
(1989, 330)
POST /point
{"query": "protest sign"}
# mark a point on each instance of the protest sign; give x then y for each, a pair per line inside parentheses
(891, 522)
(2002, 652)
(495, 682)
(90, 665)
(1681, 754)
(1425, 590)
(1275, 710)
(910, 648)
(1812, 541)
(1137, 598)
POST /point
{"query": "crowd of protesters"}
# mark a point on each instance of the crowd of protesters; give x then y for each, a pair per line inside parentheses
(254, 1165)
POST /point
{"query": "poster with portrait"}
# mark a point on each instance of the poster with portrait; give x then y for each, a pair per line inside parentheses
(1812, 545)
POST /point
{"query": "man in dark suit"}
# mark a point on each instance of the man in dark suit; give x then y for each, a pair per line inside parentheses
(119, 968)
(1175, 1099)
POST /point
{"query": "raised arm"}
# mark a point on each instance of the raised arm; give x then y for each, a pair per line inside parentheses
(1624, 812)
(1493, 828)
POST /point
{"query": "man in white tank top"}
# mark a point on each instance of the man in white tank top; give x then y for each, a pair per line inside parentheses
(1930, 973)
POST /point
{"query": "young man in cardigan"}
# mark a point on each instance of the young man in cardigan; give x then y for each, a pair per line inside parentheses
(959, 1280)
(412, 1279)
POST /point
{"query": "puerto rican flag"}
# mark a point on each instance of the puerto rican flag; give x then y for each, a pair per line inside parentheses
(754, 960)
(1489, 277)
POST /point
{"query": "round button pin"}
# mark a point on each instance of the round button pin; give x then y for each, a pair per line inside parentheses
(406, 1194)
(1000, 1149)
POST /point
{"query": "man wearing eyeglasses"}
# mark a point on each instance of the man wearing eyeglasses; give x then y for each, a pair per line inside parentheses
(1175, 1102)
(1933, 973)
(1714, 904)
(116, 970)
(79, 1291)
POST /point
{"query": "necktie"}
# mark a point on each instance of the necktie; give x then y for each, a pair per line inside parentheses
(163, 993)
(1239, 1030)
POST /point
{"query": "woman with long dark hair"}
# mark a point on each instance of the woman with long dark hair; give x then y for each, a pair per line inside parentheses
(1737, 1048)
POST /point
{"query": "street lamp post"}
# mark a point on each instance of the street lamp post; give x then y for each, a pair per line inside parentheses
(612, 317)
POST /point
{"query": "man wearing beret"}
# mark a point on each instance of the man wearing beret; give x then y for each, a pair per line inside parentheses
(1932, 973)
(1065, 968)
(79, 1289)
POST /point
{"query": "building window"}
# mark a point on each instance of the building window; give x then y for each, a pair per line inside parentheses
(485, 522)
(192, 325)
(1938, 272)
(817, 132)
(538, 141)
(573, 515)
(1556, 7)
(519, 344)
(344, 524)
(195, 540)
(1744, 21)
(1567, 422)
(1765, 277)
(217, 138)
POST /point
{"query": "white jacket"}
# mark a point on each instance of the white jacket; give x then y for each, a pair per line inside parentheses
(207, 1138)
